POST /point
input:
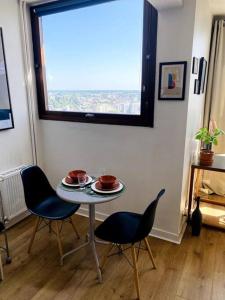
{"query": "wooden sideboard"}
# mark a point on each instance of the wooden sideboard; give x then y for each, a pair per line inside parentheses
(214, 201)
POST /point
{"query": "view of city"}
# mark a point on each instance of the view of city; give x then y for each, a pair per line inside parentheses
(93, 63)
(113, 102)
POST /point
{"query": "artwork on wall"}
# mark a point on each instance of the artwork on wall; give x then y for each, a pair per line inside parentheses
(195, 65)
(172, 78)
(196, 89)
(202, 74)
(6, 116)
(200, 82)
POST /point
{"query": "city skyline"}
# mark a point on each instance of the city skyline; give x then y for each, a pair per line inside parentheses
(95, 101)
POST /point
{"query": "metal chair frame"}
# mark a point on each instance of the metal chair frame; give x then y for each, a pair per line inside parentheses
(3, 219)
(135, 256)
(57, 232)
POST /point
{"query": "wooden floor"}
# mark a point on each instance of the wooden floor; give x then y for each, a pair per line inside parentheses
(194, 270)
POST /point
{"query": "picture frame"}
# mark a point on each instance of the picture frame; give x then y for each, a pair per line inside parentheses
(172, 80)
(202, 74)
(195, 65)
(6, 115)
(197, 87)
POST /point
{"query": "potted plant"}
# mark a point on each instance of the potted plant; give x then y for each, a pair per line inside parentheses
(208, 137)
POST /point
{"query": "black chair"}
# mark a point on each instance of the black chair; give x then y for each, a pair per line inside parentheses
(129, 228)
(42, 201)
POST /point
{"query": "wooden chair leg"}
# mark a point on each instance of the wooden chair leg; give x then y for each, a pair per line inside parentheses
(1, 268)
(136, 278)
(35, 228)
(58, 239)
(105, 257)
(74, 227)
(150, 253)
(49, 226)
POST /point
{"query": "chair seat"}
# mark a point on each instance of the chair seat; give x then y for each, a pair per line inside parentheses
(119, 228)
(54, 208)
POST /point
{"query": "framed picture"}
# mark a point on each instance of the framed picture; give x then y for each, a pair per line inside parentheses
(195, 65)
(202, 74)
(172, 78)
(197, 87)
(6, 116)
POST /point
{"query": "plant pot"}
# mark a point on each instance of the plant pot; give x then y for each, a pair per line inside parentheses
(206, 157)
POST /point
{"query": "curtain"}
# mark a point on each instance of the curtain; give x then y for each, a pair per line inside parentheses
(215, 101)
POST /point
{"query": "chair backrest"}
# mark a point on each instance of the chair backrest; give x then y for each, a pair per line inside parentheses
(36, 186)
(148, 218)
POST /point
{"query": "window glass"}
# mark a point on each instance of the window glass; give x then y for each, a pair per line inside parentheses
(93, 58)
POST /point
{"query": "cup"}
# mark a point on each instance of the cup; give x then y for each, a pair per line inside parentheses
(81, 180)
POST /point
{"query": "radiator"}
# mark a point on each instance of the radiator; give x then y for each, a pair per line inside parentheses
(12, 194)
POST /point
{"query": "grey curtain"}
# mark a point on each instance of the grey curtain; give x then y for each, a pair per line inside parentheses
(215, 100)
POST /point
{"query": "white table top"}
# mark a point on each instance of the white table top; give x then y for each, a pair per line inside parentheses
(81, 197)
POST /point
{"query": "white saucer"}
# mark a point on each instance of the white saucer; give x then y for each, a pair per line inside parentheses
(89, 180)
(120, 187)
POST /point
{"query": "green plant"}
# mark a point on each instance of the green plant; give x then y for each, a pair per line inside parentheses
(209, 137)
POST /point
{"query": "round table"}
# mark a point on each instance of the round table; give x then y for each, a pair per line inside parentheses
(90, 198)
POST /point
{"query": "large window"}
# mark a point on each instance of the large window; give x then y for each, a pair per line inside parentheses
(95, 60)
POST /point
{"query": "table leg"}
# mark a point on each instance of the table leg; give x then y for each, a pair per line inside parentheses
(90, 241)
(197, 183)
(98, 241)
(73, 251)
(92, 238)
(190, 192)
(1, 267)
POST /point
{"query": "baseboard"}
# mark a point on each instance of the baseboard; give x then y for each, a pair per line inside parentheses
(156, 232)
(183, 228)
(98, 216)
(168, 236)
(17, 219)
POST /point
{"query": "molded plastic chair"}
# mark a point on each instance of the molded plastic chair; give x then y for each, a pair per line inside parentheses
(42, 201)
(129, 228)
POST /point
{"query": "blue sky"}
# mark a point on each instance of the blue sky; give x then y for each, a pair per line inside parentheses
(97, 47)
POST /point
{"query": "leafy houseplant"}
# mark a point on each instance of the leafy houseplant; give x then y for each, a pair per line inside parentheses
(208, 137)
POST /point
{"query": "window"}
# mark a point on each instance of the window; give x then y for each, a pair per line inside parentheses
(95, 60)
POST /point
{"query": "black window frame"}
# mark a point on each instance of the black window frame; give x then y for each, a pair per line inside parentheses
(146, 118)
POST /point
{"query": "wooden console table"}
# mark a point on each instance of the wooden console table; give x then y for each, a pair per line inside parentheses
(217, 166)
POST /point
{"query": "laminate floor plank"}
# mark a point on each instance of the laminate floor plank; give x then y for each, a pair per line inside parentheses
(193, 270)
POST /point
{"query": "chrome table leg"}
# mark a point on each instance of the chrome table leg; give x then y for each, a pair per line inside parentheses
(92, 239)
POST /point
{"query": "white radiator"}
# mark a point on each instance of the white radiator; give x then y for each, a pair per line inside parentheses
(12, 195)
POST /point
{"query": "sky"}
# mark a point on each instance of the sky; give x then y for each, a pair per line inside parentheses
(95, 48)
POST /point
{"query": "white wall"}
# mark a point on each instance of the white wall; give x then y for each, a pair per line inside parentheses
(217, 7)
(15, 146)
(201, 46)
(146, 159)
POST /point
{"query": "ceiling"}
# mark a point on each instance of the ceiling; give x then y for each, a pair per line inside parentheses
(217, 6)
(165, 4)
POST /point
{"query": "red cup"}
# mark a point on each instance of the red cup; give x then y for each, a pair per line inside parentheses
(107, 181)
(74, 174)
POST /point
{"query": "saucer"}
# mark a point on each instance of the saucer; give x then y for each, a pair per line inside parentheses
(88, 180)
(94, 187)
